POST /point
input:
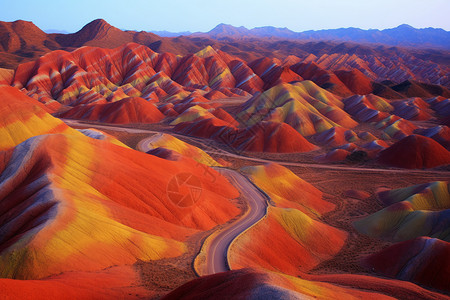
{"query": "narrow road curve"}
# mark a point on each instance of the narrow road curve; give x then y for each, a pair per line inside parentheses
(217, 251)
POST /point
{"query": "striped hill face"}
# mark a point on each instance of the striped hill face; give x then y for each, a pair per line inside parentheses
(79, 204)
(132, 84)
(22, 117)
(415, 211)
(58, 220)
(367, 108)
(272, 137)
(85, 83)
(306, 107)
(96, 75)
(193, 113)
(82, 215)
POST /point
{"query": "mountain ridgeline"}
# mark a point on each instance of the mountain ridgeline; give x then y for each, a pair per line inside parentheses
(23, 41)
(403, 35)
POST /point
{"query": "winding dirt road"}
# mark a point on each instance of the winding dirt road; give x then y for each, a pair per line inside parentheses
(257, 201)
(257, 208)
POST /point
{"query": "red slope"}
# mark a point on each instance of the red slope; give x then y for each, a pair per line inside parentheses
(113, 283)
(355, 81)
(288, 241)
(422, 260)
(415, 152)
(101, 34)
(6, 76)
(126, 111)
(323, 78)
(263, 137)
(271, 137)
(440, 134)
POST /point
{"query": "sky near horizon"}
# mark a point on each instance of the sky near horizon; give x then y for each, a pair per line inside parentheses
(203, 15)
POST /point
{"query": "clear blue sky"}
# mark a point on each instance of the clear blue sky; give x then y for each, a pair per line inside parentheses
(203, 15)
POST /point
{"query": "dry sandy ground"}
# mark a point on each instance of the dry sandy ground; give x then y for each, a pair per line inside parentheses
(335, 184)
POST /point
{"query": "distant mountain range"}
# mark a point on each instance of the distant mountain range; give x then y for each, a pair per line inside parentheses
(403, 35)
(22, 41)
(165, 33)
(50, 31)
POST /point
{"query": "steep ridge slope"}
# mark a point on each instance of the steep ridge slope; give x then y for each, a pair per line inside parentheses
(100, 33)
(282, 186)
(415, 152)
(22, 117)
(22, 40)
(63, 195)
(422, 260)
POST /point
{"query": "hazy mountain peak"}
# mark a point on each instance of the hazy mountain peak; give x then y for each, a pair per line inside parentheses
(403, 35)
(228, 30)
(405, 26)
